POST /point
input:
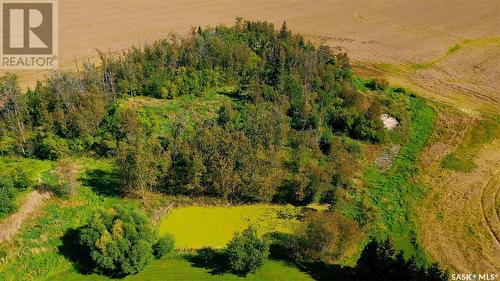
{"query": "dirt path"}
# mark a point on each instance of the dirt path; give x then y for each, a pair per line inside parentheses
(10, 226)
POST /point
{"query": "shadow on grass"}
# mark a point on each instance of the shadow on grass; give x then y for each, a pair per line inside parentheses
(213, 260)
(102, 182)
(378, 261)
(76, 253)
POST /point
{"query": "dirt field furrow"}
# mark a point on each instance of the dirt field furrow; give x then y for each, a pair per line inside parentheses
(489, 207)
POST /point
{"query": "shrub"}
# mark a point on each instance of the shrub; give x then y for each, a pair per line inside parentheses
(246, 252)
(326, 237)
(377, 84)
(11, 182)
(7, 196)
(120, 241)
(65, 174)
(50, 147)
(20, 179)
(164, 246)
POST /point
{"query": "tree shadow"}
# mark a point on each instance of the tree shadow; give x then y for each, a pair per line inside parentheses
(329, 272)
(75, 252)
(378, 261)
(213, 260)
(102, 182)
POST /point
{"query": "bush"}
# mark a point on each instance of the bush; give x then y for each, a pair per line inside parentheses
(11, 182)
(377, 84)
(164, 246)
(7, 196)
(50, 147)
(20, 179)
(326, 237)
(120, 241)
(65, 174)
(246, 252)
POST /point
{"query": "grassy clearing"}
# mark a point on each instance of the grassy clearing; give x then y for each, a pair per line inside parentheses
(34, 254)
(197, 227)
(187, 109)
(36, 169)
(179, 269)
(462, 159)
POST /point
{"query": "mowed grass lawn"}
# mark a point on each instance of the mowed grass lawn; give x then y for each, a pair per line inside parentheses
(210, 226)
(177, 269)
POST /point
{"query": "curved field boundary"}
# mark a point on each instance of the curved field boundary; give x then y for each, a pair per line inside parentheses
(489, 208)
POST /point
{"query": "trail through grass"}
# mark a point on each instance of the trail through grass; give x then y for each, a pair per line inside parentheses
(186, 109)
(35, 255)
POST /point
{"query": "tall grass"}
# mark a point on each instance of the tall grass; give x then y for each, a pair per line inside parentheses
(394, 192)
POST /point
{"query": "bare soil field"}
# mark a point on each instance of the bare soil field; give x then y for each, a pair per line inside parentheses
(448, 51)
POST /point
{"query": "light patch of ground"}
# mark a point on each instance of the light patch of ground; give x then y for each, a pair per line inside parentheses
(10, 226)
(389, 122)
(385, 160)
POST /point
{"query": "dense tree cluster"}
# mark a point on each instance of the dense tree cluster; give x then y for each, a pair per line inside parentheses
(120, 241)
(286, 136)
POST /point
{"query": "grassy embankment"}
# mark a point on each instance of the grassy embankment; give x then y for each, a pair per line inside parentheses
(392, 194)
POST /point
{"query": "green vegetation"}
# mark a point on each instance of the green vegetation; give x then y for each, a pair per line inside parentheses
(188, 109)
(247, 114)
(34, 168)
(41, 245)
(462, 159)
(327, 237)
(233, 115)
(119, 241)
(246, 252)
(393, 193)
(181, 269)
(11, 183)
(164, 246)
(212, 226)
